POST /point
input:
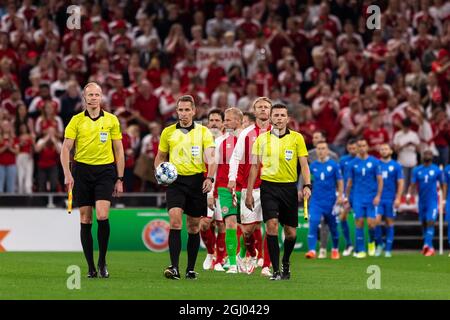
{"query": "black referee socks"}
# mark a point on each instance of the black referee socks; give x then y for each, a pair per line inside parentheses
(175, 246)
(274, 252)
(192, 250)
(87, 244)
(288, 248)
(103, 239)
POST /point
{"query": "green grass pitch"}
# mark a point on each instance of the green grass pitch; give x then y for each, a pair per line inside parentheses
(139, 275)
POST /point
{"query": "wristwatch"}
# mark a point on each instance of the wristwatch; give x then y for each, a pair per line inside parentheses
(309, 186)
(210, 178)
(120, 178)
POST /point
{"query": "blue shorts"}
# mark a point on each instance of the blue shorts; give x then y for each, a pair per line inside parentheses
(386, 209)
(428, 211)
(366, 210)
(316, 213)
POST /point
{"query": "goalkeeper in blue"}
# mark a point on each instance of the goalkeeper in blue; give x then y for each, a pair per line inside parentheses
(393, 183)
(327, 179)
(446, 196)
(426, 178)
(367, 184)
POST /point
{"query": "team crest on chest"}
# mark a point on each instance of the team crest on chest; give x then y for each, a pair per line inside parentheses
(369, 165)
(431, 172)
(391, 168)
(329, 168)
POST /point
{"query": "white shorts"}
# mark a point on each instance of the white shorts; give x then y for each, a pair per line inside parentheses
(217, 213)
(248, 216)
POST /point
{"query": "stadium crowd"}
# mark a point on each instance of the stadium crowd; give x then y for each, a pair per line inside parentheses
(319, 58)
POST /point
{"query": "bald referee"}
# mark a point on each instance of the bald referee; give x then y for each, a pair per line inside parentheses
(279, 151)
(97, 171)
(187, 145)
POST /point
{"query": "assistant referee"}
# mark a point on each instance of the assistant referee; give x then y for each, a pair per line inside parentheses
(97, 173)
(277, 151)
(186, 144)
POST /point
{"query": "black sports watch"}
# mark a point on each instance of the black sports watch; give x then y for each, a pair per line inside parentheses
(309, 186)
(120, 178)
(210, 178)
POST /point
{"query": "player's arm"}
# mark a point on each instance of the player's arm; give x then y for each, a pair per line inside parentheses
(65, 161)
(398, 194)
(306, 175)
(163, 149)
(348, 188)
(235, 159)
(254, 169)
(377, 198)
(412, 186)
(444, 193)
(340, 191)
(120, 165)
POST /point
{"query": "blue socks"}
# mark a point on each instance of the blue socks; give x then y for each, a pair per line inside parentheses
(359, 239)
(371, 235)
(429, 236)
(389, 237)
(379, 235)
(312, 234)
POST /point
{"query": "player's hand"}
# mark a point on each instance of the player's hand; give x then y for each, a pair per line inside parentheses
(211, 203)
(397, 203)
(231, 185)
(207, 186)
(118, 188)
(376, 200)
(68, 181)
(249, 201)
(340, 201)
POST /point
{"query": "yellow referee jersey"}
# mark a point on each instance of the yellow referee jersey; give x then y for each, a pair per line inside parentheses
(186, 147)
(279, 155)
(93, 137)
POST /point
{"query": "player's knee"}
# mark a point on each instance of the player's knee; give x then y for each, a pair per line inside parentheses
(86, 220)
(175, 224)
(192, 229)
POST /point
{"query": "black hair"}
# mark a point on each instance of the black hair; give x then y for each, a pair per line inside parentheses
(216, 111)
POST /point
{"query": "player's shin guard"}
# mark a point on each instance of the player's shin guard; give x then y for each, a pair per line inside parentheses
(88, 244)
(258, 241)
(193, 245)
(221, 248)
(288, 248)
(103, 233)
(346, 232)
(231, 242)
(174, 246)
(359, 233)
(274, 251)
(312, 234)
(379, 235)
(243, 250)
(389, 238)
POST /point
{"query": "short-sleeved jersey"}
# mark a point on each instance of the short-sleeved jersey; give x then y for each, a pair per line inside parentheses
(447, 181)
(427, 178)
(279, 155)
(241, 159)
(224, 149)
(93, 137)
(391, 172)
(325, 176)
(363, 173)
(186, 147)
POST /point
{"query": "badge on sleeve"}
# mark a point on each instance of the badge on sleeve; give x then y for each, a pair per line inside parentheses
(103, 137)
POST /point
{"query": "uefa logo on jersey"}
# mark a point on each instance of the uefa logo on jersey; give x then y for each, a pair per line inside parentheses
(156, 235)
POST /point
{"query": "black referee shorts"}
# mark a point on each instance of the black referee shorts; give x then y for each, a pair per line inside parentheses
(280, 201)
(187, 193)
(92, 183)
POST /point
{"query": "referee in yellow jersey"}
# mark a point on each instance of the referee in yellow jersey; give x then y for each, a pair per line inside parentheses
(97, 172)
(187, 145)
(277, 151)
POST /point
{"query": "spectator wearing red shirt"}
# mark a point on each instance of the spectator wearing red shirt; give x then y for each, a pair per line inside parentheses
(120, 60)
(247, 24)
(375, 135)
(330, 22)
(325, 109)
(300, 41)
(48, 149)
(307, 125)
(186, 69)
(119, 96)
(263, 79)
(9, 148)
(382, 90)
(48, 119)
(145, 108)
(212, 75)
(25, 163)
(176, 44)
(130, 141)
(442, 69)
(441, 135)
(40, 101)
(149, 148)
(75, 63)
